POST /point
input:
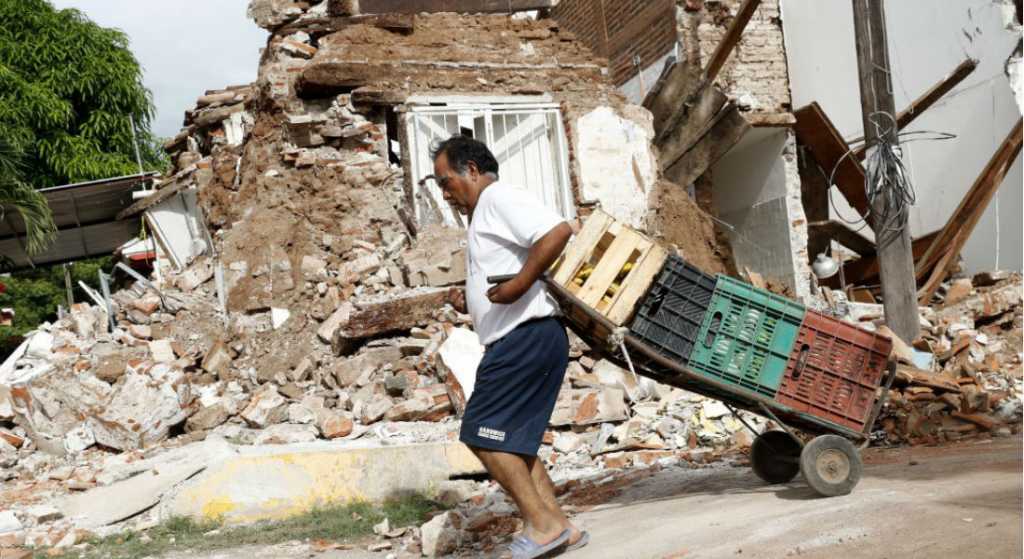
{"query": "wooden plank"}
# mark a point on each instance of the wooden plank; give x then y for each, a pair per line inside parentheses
(815, 131)
(636, 284)
(722, 134)
(865, 269)
(814, 195)
(842, 234)
(982, 420)
(895, 253)
(730, 40)
(608, 268)
(466, 6)
(581, 246)
(928, 98)
(967, 212)
(953, 236)
(673, 90)
(695, 122)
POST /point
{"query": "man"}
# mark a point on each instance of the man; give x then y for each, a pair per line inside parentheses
(527, 349)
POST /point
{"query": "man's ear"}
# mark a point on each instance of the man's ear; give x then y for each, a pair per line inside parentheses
(474, 171)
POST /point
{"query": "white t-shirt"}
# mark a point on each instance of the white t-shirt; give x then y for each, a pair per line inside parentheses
(506, 222)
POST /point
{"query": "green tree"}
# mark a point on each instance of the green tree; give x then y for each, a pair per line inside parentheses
(69, 90)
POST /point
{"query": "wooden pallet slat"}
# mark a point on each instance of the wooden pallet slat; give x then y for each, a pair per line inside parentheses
(579, 249)
(607, 246)
(608, 268)
(635, 285)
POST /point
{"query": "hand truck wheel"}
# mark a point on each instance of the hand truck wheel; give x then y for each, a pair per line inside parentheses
(775, 457)
(831, 465)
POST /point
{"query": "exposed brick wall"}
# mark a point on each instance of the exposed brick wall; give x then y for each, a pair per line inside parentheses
(621, 29)
(755, 75)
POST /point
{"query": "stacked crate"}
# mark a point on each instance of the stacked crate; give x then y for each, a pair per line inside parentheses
(762, 344)
(834, 371)
(759, 344)
(609, 267)
(746, 337)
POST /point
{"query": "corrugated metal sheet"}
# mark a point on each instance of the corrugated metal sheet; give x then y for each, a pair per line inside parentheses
(85, 215)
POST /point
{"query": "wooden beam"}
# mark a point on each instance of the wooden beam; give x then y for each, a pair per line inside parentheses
(928, 98)
(815, 131)
(892, 236)
(676, 85)
(711, 143)
(864, 270)
(672, 107)
(814, 197)
(339, 7)
(696, 118)
(730, 40)
(842, 234)
(952, 238)
(978, 195)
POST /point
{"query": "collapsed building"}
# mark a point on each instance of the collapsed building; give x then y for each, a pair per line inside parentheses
(306, 270)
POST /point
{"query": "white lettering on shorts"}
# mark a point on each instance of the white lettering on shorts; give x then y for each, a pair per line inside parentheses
(493, 434)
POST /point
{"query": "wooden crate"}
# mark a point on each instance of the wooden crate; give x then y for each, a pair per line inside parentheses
(605, 247)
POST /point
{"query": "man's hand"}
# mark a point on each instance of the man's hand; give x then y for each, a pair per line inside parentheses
(542, 255)
(508, 292)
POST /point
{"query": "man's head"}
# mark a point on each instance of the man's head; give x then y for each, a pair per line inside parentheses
(462, 168)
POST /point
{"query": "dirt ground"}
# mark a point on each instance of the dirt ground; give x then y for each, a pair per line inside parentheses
(961, 500)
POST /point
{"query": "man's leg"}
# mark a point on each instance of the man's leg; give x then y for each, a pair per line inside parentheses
(546, 489)
(511, 471)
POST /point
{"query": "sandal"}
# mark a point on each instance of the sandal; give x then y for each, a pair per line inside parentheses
(525, 548)
(582, 542)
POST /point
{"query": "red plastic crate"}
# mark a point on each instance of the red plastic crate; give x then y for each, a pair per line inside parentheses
(842, 369)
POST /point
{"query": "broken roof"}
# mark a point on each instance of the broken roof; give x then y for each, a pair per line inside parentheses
(86, 218)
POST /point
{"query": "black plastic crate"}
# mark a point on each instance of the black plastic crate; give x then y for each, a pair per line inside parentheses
(669, 316)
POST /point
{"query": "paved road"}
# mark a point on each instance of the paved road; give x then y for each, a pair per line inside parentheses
(958, 501)
(955, 501)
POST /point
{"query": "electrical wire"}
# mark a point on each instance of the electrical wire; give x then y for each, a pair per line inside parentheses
(885, 178)
(887, 185)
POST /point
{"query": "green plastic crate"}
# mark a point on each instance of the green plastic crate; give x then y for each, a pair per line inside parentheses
(746, 337)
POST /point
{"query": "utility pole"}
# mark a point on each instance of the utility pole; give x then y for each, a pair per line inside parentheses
(895, 254)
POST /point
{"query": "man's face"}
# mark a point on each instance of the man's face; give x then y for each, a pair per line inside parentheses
(457, 189)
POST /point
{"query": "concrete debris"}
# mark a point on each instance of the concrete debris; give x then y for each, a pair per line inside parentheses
(442, 534)
(142, 410)
(267, 407)
(287, 433)
(972, 385)
(9, 522)
(162, 351)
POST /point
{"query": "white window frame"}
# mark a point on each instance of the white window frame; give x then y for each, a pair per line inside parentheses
(464, 113)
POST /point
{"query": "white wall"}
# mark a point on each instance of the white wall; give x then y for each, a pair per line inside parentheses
(616, 165)
(927, 39)
(757, 193)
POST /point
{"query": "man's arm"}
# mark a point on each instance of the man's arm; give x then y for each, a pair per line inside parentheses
(542, 255)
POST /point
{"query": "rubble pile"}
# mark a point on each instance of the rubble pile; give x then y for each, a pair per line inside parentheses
(964, 377)
(319, 310)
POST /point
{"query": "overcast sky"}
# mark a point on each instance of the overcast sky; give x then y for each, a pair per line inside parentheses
(185, 47)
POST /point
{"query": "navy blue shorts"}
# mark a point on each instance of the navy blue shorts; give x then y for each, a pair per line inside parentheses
(517, 384)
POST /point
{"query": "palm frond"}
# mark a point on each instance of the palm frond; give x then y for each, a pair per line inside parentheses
(40, 230)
